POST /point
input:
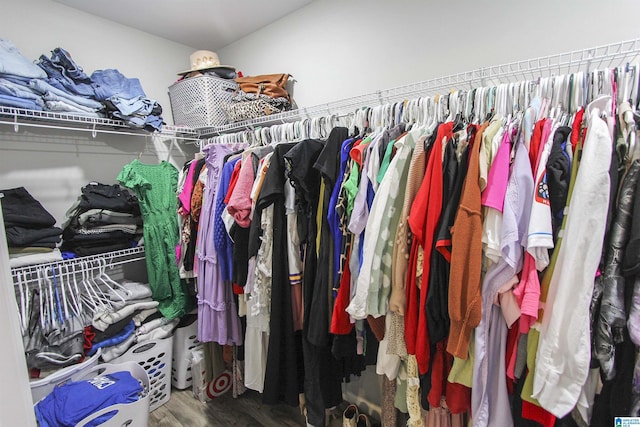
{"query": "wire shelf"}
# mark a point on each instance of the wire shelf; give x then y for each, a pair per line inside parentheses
(610, 55)
(111, 259)
(17, 117)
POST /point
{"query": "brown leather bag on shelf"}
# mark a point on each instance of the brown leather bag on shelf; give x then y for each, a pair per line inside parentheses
(271, 85)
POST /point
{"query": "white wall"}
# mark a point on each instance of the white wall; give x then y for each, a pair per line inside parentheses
(38, 26)
(54, 164)
(341, 48)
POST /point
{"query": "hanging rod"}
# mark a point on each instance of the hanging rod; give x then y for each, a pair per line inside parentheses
(563, 63)
(123, 256)
(17, 117)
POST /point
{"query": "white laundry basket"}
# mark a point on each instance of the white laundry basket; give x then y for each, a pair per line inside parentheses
(185, 340)
(134, 414)
(155, 357)
(42, 387)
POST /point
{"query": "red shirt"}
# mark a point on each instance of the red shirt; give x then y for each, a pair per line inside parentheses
(423, 221)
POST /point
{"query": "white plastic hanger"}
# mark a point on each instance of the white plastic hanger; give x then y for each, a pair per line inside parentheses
(61, 295)
(65, 280)
(24, 301)
(116, 288)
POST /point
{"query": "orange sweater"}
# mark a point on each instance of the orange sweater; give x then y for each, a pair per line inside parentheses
(465, 301)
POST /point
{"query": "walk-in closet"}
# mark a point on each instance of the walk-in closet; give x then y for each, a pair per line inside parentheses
(320, 213)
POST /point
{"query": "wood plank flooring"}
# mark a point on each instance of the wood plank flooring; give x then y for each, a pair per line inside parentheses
(246, 411)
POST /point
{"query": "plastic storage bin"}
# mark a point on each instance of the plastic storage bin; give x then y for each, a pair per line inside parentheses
(155, 357)
(184, 341)
(42, 387)
(134, 414)
(197, 101)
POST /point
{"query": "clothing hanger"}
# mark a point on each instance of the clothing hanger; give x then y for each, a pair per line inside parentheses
(91, 297)
(55, 321)
(469, 106)
(65, 281)
(63, 307)
(107, 281)
(24, 302)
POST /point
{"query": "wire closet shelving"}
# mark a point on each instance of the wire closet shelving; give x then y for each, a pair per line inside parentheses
(608, 55)
(17, 117)
(103, 260)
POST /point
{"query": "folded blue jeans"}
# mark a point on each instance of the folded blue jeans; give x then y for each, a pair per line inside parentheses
(9, 88)
(43, 87)
(49, 96)
(136, 106)
(13, 62)
(15, 102)
(55, 72)
(111, 82)
(69, 67)
(63, 107)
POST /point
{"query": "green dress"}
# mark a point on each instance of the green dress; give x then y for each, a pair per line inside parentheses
(155, 185)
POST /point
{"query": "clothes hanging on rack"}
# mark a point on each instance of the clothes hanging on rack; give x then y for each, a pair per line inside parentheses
(155, 186)
(217, 312)
(442, 235)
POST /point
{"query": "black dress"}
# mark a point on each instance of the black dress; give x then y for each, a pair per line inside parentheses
(284, 370)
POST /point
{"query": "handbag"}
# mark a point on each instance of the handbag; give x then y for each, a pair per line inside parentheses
(271, 85)
(247, 110)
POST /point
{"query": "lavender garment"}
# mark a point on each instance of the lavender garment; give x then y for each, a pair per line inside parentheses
(217, 313)
(635, 389)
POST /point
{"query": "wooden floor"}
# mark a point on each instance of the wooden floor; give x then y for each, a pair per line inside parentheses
(246, 411)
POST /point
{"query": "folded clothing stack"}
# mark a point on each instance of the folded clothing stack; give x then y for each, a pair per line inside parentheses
(134, 318)
(124, 99)
(59, 84)
(15, 73)
(105, 218)
(31, 233)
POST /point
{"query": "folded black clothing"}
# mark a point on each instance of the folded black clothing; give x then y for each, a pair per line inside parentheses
(187, 320)
(73, 246)
(100, 217)
(69, 237)
(113, 329)
(38, 244)
(112, 197)
(21, 209)
(152, 316)
(23, 236)
(94, 250)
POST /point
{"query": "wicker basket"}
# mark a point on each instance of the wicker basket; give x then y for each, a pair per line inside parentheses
(198, 102)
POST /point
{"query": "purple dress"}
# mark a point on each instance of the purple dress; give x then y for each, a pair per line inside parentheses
(218, 319)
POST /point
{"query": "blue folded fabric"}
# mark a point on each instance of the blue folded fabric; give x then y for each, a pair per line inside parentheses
(13, 62)
(111, 82)
(114, 340)
(43, 87)
(15, 102)
(70, 403)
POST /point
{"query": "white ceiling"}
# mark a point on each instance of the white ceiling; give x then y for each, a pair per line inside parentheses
(201, 24)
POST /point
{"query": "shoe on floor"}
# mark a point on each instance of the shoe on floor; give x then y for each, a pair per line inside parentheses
(350, 416)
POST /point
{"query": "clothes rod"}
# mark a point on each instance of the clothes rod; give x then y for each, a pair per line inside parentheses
(528, 69)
